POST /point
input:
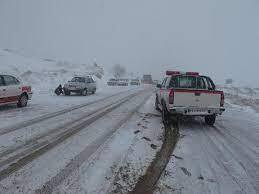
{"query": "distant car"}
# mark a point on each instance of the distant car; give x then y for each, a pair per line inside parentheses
(80, 85)
(135, 82)
(112, 82)
(147, 79)
(123, 82)
(12, 91)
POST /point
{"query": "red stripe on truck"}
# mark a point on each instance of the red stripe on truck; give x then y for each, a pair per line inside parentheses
(198, 91)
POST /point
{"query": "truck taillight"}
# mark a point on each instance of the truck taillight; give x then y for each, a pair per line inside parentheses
(171, 97)
(222, 99)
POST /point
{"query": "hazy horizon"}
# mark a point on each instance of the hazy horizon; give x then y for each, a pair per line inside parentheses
(218, 38)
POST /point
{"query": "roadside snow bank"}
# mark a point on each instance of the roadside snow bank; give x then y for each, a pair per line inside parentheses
(45, 74)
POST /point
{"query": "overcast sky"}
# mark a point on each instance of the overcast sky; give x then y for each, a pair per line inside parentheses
(215, 37)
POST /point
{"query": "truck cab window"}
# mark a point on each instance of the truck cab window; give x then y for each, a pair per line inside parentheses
(201, 84)
(187, 82)
(174, 82)
(10, 80)
(163, 83)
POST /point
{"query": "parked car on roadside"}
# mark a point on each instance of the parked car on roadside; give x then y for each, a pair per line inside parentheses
(135, 82)
(190, 94)
(80, 85)
(112, 82)
(13, 91)
(123, 82)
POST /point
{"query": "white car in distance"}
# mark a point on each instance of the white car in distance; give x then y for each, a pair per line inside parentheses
(13, 91)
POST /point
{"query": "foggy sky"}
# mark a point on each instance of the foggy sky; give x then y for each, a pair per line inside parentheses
(216, 37)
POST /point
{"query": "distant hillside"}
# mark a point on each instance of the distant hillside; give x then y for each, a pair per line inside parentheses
(44, 74)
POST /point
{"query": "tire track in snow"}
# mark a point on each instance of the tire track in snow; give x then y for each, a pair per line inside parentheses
(52, 115)
(24, 158)
(222, 159)
(49, 186)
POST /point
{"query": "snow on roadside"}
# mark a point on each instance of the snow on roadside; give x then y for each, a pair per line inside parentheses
(219, 159)
(44, 74)
(124, 158)
(243, 96)
(148, 142)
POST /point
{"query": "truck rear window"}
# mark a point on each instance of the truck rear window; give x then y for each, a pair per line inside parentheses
(183, 82)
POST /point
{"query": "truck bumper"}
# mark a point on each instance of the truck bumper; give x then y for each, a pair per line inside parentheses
(196, 111)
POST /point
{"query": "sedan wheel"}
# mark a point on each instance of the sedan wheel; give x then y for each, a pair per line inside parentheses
(84, 92)
(23, 101)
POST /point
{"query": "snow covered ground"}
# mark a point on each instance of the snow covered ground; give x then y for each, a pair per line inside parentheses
(103, 143)
(44, 74)
(243, 96)
(106, 156)
(96, 143)
(219, 159)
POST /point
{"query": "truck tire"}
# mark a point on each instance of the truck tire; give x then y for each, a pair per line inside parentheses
(165, 115)
(156, 104)
(84, 92)
(210, 120)
(23, 101)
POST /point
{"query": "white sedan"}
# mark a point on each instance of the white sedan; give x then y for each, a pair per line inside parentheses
(12, 91)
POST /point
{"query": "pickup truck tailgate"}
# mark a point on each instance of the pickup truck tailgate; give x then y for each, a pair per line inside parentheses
(196, 98)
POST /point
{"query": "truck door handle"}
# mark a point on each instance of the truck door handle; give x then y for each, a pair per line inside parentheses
(197, 94)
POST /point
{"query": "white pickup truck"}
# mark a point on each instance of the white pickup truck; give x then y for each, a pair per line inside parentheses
(12, 91)
(188, 93)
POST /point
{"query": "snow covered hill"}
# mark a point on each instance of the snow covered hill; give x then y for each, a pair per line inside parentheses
(44, 74)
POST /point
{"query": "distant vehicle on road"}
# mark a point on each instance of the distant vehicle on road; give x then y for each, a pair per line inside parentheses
(12, 91)
(123, 82)
(189, 94)
(135, 82)
(147, 79)
(112, 82)
(80, 85)
(155, 82)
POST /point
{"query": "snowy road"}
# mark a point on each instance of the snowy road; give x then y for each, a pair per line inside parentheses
(44, 154)
(219, 159)
(103, 143)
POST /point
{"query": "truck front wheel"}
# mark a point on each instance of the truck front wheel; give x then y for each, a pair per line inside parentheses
(210, 120)
(84, 92)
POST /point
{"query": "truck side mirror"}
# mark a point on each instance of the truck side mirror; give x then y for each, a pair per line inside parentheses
(159, 86)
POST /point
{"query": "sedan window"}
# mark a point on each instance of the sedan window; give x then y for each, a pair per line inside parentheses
(10, 80)
(1, 81)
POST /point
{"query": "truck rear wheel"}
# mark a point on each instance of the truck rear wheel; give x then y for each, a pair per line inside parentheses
(156, 104)
(84, 92)
(165, 115)
(210, 120)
